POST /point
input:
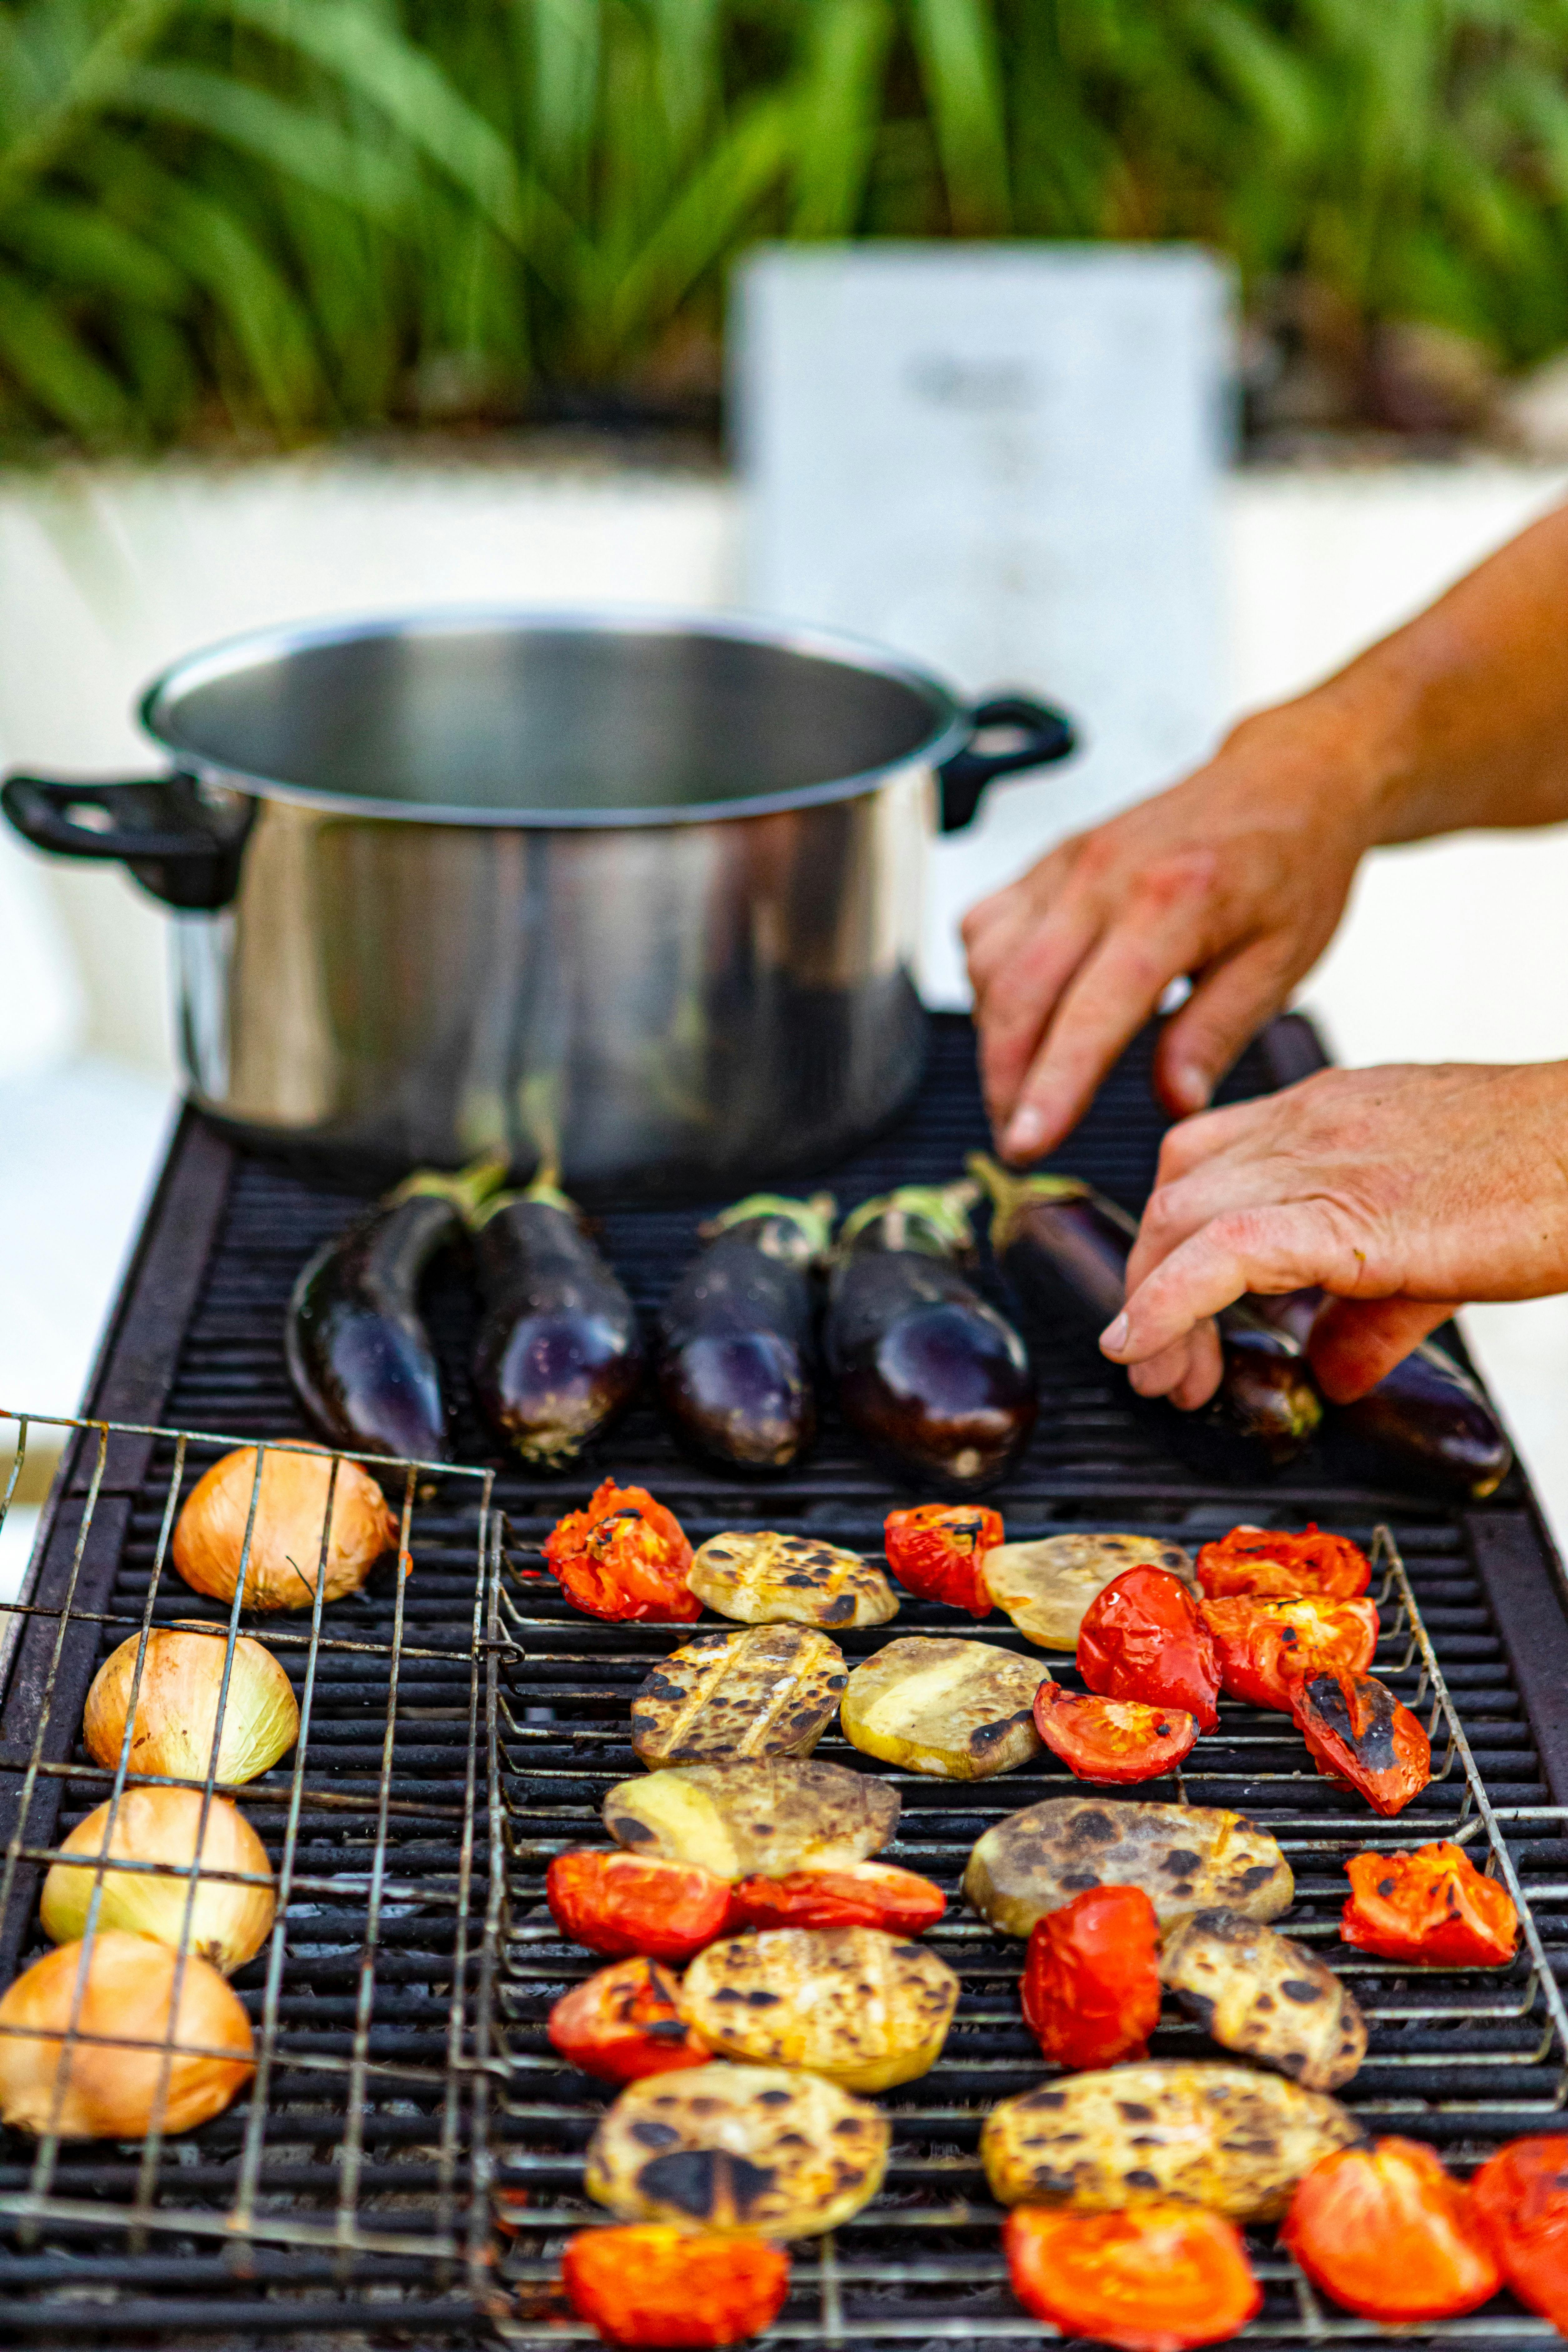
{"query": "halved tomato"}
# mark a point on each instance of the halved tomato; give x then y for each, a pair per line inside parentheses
(1143, 1638)
(861, 1895)
(1265, 1647)
(1157, 2278)
(1111, 1739)
(1357, 1732)
(1277, 1565)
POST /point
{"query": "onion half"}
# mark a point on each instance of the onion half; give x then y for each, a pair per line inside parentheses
(285, 1542)
(110, 2089)
(177, 1707)
(229, 1924)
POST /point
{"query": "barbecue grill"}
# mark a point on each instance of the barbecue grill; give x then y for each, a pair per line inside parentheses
(409, 2158)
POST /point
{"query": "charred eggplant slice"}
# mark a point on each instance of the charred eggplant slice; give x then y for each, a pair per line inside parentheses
(925, 1370)
(1064, 1247)
(359, 1354)
(558, 1355)
(735, 1359)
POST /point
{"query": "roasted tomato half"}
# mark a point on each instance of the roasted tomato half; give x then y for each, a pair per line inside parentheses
(863, 1895)
(652, 2284)
(1432, 1907)
(1158, 2278)
(622, 1903)
(1390, 2234)
(1519, 2199)
(624, 1556)
(1356, 1731)
(1266, 1647)
(623, 2024)
(1143, 1638)
(1112, 1740)
(1091, 1978)
(1277, 1566)
(936, 1548)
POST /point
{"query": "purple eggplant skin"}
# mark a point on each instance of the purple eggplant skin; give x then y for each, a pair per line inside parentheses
(735, 1353)
(926, 1371)
(1064, 1247)
(558, 1355)
(1427, 1421)
(359, 1354)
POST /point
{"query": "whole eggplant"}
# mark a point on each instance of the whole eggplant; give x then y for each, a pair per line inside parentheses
(1064, 1246)
(558, 1354)
(734, 1357)
(359, 1354)
(926, 1371)
(1427, 1420)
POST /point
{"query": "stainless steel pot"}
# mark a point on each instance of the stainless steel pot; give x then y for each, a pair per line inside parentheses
(642, 891)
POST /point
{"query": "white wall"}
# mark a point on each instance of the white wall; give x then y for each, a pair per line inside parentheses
(1450, 950)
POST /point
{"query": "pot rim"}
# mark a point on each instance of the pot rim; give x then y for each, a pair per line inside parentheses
(950, 726)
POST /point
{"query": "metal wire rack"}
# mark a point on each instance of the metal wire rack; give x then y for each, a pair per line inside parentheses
(358, 2148)
(1465, 2059)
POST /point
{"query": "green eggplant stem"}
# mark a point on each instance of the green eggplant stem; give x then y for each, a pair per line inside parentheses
(465, 1189)
(934, 1218)
(1011, 1194)
(813, 1219)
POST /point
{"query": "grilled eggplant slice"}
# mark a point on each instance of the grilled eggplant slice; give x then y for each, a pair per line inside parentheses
(558, 1355)
(958, 1710)
(735, 1357)
(1064, 1248)
(359, 1354)
(1256, 1992)
(1202, 2135)
(769, 1578)
(1184, 1857)
(927, 1372)
(861, 2007)
(764, 1816)
(1046, 1587)
(768, 1690)
(738, 2147)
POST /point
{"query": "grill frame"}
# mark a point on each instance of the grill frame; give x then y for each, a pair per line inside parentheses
(160, 1359)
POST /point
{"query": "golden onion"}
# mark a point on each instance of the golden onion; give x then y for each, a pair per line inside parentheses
(177, 1707)
(285, 1542)
(111, 2086)
(229, 1923)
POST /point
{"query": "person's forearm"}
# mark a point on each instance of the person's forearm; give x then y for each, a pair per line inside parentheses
(1460, 717)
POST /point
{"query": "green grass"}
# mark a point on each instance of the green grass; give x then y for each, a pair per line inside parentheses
(276, 218)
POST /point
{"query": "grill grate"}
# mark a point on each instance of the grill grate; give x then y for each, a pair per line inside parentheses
(1463, 2061)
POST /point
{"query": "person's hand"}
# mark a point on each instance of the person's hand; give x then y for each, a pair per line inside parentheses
(1235, 878)
(1400, 1191)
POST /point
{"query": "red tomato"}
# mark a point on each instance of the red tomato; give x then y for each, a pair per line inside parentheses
(1157, 2278)
(936, 1550)
(1092, 1978)
(1266, 1647)
(1143, 1638)
(652, 2284)
(1519, 2199)
(1356, 1731)
(1277, 1566)
(1389, 2234)
(623, 2024)
(1112, 1740)
(864, 1895)
(624, 1556)
(621, 1903)
(1433, 1908)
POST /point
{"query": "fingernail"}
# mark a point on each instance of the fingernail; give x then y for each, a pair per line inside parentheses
(1026, 1134)
(1114, 1337)
(1190, 1085)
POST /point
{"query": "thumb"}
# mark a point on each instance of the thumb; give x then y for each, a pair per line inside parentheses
(1356, 1342)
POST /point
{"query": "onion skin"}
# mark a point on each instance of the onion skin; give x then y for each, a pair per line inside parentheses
(177, 1702)
(359, 1354)
(735, 1358)
(927, 1372)
(229, 1924)
(558, 1355)
(286, 1544)
(110, 2092)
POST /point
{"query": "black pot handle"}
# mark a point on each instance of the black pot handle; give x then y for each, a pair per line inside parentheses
(1046, 735)
(182, 839)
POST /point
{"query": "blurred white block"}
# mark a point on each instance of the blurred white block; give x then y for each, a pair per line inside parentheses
(43, 1002)
(78, 1148)
(1002, 460)
(17, 1533)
